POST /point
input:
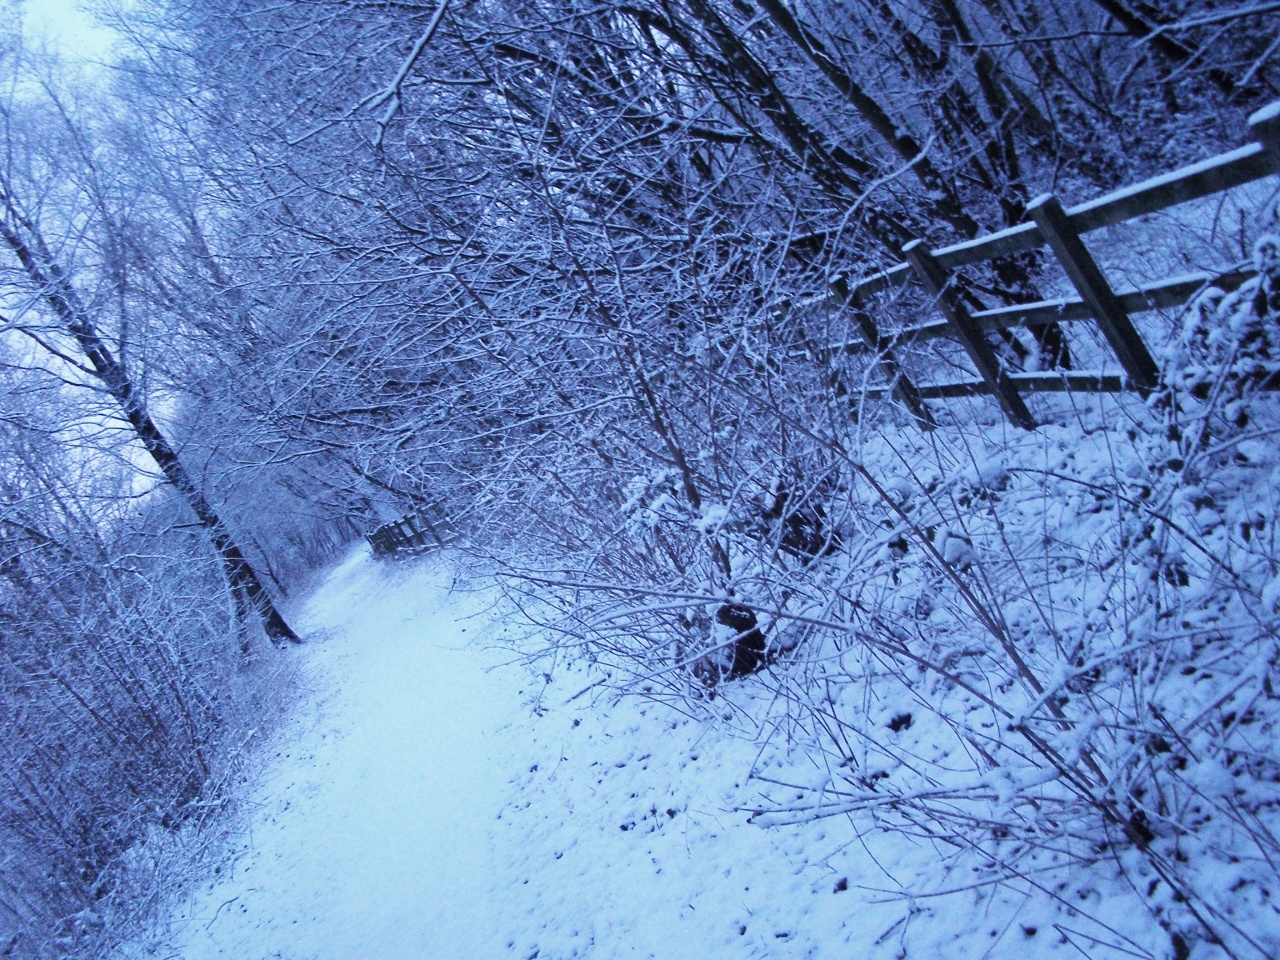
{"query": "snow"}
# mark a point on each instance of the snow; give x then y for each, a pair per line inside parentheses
(438, 797)
(423, 808)
(1270, 112)
(434, 800)
(370, 836)
(714, 516)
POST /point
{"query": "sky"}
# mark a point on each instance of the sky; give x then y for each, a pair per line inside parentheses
(64, 23)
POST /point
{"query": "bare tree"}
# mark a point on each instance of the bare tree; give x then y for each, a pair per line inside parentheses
(45, 280)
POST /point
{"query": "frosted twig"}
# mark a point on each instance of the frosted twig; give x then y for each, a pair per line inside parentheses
(1219, 17)
(391, 95)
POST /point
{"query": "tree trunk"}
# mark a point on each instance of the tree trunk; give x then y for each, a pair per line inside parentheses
(37, 262)
(1143, 22)
(941, 199)
(831, 167)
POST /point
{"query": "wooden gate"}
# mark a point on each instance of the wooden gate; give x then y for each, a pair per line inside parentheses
(415, 533)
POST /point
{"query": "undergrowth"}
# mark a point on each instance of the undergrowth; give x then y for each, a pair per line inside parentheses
(1050, 657)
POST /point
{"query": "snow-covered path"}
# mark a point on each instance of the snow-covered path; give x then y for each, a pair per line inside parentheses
(419, 809)
(373, 837)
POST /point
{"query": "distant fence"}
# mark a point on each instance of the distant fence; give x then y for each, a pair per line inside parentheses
(413, 534)
(1061, 230)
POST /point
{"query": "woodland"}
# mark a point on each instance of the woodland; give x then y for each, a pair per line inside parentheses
(558, 275)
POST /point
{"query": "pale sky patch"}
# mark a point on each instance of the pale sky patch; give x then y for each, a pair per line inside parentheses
(68, 28)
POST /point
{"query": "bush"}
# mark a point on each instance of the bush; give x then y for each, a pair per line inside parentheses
(121, 695)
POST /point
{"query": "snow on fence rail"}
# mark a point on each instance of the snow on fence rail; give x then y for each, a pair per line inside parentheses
(414, 533)
(1060, 228)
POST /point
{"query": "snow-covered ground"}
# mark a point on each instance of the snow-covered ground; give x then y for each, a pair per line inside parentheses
(436, 800)
(432, 802)
(371, 833)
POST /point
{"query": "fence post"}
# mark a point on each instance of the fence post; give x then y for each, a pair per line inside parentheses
(1264, 124)
(903, 389)
(934, 279)
(1094, 290)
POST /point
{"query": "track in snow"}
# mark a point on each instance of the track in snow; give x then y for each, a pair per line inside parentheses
(373, 838)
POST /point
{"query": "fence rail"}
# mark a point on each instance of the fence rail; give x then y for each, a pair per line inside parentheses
(1060, 229)
(415, 533)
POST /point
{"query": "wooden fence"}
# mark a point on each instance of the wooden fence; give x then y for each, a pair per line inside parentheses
(415, 533)
(1061, 230)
